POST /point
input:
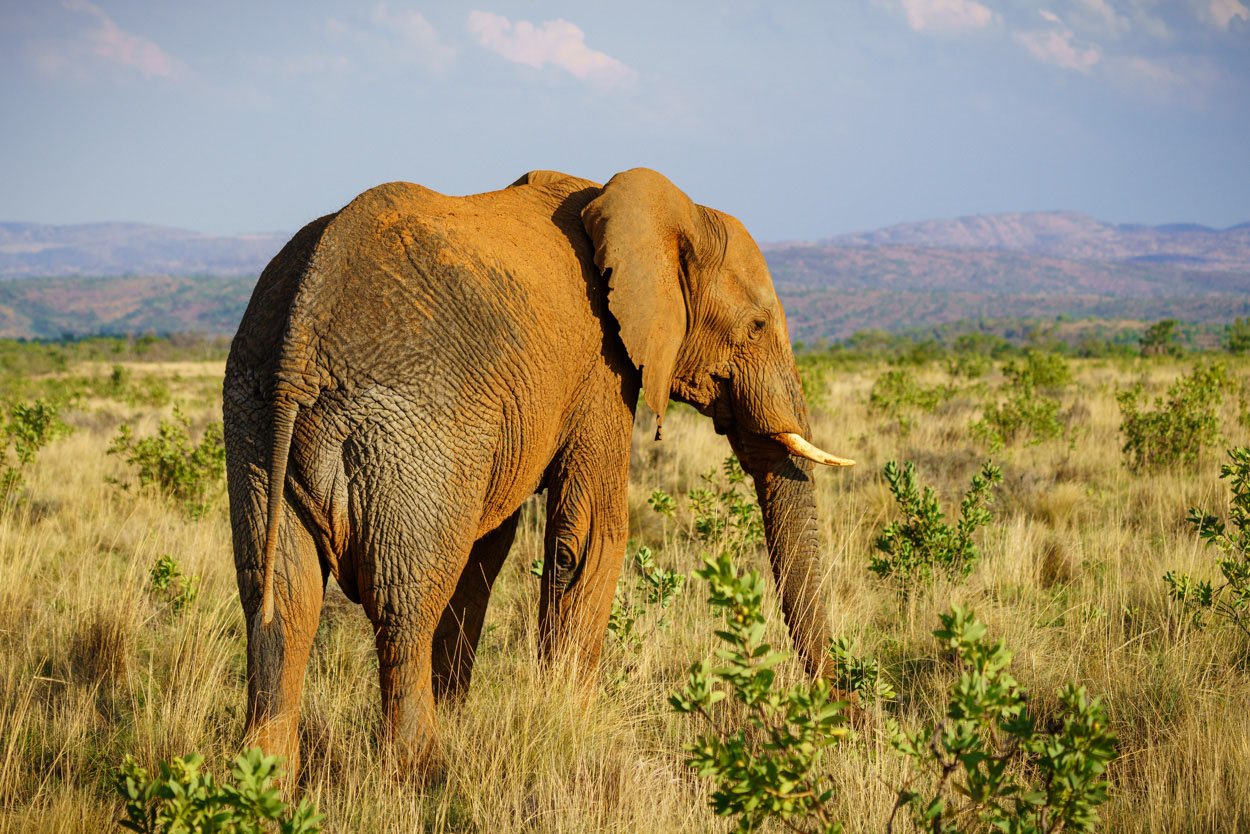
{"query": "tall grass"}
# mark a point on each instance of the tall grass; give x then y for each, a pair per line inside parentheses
(93, 665)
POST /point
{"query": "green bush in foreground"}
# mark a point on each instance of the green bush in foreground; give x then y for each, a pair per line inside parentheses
(769, 768)
(987, 761)
(184, 799)
(1230, 600)
(911, 550)
(984, 764)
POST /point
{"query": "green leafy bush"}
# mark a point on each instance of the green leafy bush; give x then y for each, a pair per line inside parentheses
(899, 396)
(185, 799)
(181, 469)
(911, 550)
(987, 759)
(983, 765)
(654, 591)
(858, 674)
(1231, 599)
(169, 583)
(1039, 369)
(726, 515)
(770, 767)
(1179, 427)
(28, 428)
(1030, 408)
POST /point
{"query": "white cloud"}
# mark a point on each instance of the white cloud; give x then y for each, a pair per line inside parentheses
(555, 42)
(1222, 12)
(946, 15)
(1058, 46)
(415, 32)
(1100, 16)
(104, 42)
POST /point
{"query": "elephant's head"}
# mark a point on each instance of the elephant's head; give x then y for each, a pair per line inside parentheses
(700, 318)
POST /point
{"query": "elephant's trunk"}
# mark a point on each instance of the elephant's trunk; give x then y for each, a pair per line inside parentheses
(787, 499)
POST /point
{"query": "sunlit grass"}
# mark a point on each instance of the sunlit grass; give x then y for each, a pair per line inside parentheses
(93, 665)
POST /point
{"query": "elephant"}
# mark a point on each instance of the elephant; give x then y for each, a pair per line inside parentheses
(412, 367)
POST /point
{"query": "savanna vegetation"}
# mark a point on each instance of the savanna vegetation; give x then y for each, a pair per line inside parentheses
(1042, 589)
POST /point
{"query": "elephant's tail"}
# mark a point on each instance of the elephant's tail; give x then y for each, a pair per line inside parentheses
(284, 412)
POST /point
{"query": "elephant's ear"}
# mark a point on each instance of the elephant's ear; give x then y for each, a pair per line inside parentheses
(640, 225)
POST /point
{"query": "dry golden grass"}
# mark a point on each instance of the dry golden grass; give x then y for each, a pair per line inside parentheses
(92, 666)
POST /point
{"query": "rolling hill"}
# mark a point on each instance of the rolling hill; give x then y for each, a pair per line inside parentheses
(132, 278)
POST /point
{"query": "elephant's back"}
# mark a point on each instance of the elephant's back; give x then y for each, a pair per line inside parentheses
(406, 286)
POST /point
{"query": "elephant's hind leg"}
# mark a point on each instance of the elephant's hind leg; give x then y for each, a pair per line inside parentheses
(460, 628)
(277, 654)
(411, 555)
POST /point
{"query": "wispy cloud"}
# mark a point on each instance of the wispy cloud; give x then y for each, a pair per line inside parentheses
(1057, 45)
(556, 42)
(415, 32)
(1100, 16)
(946, 15)
(1223, 12)
(102, 41)
(393, 36)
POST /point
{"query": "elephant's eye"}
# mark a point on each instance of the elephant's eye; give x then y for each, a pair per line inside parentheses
(756, 328)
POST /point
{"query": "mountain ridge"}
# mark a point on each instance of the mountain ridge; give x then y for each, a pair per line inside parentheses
(135, 278)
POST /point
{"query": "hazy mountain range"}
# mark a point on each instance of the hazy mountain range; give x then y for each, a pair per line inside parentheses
(125, 277)
(35, 249)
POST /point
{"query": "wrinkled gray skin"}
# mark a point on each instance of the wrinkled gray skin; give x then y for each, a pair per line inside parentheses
(414, 366)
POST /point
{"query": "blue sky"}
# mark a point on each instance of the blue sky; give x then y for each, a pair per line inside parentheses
(803, 119)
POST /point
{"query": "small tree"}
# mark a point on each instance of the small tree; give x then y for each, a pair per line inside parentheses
(1237, 336)
(1159, 339)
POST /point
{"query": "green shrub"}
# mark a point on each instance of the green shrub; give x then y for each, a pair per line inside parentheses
(814, 375)
(29, 427)
(983, 762)
(179, 468)
(1231, 599)
(1180, 426)
(184, 799)
(968, 365)
(977, 761)
(899, 396)
(172, 586)
(769, 768)
(1038, 369)
(1025, 414)
(858, 674)
(654, 591)
(1031, 406)
(725, 514)
(911, 550)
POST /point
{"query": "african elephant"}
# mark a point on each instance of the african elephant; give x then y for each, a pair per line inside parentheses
(413, 366)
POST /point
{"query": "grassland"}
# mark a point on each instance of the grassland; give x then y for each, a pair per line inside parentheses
(95, 664)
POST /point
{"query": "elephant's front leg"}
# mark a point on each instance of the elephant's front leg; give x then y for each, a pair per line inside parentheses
(587, 527)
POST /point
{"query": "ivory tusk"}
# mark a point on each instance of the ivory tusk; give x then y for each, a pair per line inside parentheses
(796, 445)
